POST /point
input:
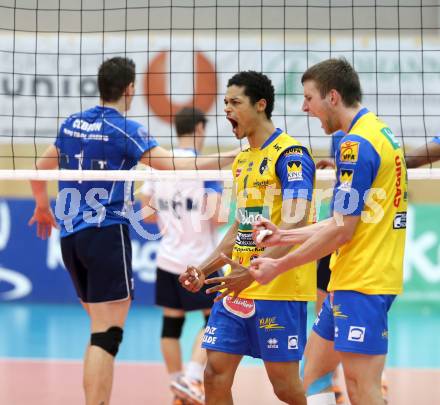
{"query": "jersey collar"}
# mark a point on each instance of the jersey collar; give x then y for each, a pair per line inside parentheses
(271, 138)
(356, 118)
(105, 108)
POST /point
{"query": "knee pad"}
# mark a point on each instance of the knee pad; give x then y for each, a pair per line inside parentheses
(108, 340)
(172, 327)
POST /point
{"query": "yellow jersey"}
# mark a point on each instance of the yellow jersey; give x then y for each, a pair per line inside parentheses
(371, 183)
(281, 169)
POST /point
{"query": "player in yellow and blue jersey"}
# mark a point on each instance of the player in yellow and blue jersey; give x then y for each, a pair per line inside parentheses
(366, 232)
(273, 178)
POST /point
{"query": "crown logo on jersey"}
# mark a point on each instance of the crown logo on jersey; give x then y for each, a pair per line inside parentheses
(345, 178)
(349, 152)
(294, 170)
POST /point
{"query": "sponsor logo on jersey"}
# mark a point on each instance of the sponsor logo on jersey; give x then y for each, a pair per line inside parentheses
(269, 323)
(249, 215)
(399, 220)
(242, 307)
(345, 179)
(293, 150)
(272, 343)
(294, 170)
(263, 166)
(292, 342)
(349, 152)
(337, 313)
(209, 336)
(238, 171)
(356, 334)
(398, 192)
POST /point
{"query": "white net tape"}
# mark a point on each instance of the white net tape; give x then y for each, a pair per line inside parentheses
(149, 174)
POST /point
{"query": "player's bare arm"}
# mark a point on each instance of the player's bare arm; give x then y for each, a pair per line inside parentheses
(194, 277)
(163, 159)
(423, 155)
(149, 211)
(335, 232)
(279, 236)
(43, 215)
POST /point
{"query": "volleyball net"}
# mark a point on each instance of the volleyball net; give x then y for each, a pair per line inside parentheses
(186, 50)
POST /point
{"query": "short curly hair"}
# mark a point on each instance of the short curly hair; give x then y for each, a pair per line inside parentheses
(257, 86)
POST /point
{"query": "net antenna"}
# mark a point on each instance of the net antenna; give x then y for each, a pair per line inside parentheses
(186, 51)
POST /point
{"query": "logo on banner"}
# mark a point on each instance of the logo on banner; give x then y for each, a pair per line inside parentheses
(157, 93)
(20, 284)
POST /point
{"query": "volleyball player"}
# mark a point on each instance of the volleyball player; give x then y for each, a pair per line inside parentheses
(366, 232)
(274, 177)
(93, 215)
(188, 215)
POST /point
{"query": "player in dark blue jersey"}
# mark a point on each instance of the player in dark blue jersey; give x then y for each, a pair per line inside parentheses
(94, 215)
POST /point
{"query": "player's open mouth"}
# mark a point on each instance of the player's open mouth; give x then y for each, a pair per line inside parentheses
(234, 124)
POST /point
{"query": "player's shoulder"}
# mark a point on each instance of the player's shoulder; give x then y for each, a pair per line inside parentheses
(355, 147)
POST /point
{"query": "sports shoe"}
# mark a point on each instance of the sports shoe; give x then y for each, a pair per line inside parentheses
(189, 390)
(179, 401)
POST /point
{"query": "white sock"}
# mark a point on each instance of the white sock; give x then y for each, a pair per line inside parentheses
(194, 371)
(175, 376)
(325, 398)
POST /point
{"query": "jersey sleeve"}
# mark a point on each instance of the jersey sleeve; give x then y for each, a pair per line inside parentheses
(213, 186)
(139, 142)
(357, 164)
(296, 170)
(336, 140)
(436, 139)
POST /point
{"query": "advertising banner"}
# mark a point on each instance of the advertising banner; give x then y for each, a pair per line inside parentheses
(31, 270)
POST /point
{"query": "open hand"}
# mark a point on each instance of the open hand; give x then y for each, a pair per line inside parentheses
(45, 221)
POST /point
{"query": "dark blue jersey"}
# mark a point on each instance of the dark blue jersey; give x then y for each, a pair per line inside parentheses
(97, 139)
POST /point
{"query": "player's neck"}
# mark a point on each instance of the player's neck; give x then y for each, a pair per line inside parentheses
(260, 134)
(348, 117)
(117, 105)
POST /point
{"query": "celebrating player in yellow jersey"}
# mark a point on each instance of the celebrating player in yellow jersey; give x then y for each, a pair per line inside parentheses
(274, 178)
(366, 232)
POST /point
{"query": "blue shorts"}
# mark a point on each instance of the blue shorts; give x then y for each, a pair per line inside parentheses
(98, 260)
(356, 322)
(269, 330)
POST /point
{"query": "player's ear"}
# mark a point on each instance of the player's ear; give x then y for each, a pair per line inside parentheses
(333, 96)
(261, 105)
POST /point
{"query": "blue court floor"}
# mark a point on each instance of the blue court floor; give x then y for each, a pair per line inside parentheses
(61, 332)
